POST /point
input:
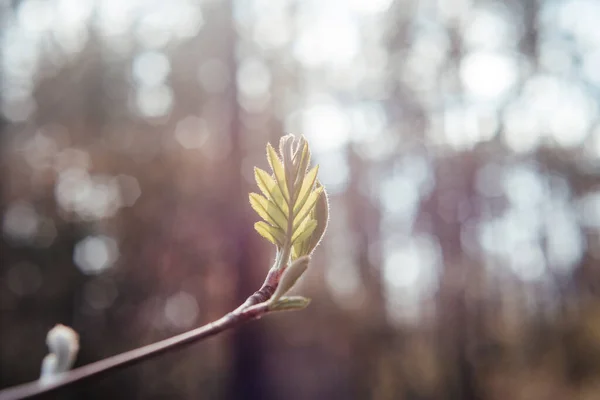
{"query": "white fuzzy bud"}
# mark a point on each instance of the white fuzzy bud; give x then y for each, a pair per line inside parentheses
(63, 343)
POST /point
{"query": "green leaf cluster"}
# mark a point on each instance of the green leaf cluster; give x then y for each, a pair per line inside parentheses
(293, 204)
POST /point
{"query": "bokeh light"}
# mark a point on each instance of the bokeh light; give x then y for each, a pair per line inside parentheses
(459, 142)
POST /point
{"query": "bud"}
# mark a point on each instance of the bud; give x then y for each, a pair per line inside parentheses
(63, 343)
(290, 277)
(290, 303)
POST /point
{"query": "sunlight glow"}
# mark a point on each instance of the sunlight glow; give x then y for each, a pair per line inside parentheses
(35, 16)
(411, 266)
(580, 19)
(181, 310)
(530, 264)
(464, 127)
(489, 28)
(370, 7)
(154, 101)
(488, 76)
(191, 132)
(521, 127)
(524, 186)
(20, 222)
(253, 78)
(89, 197)
(400, 196)
(325, 125)
(327, 37)
(94, 254)
(565, 242)
(151, 68)
(334, 171)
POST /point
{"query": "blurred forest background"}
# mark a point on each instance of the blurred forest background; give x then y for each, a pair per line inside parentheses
(459, 141)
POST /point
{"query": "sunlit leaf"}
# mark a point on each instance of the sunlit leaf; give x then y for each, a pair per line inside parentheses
(300, 162)
(278, 170)
(270, 189)
(268, 211)
(307, 186)
(307, 207)
(289, 198)
(271, 233)
(302, 153)
(321, 214)
(304, 230)
(286, 150)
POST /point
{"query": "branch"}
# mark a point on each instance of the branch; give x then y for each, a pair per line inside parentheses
(255, 307)
(295, 211)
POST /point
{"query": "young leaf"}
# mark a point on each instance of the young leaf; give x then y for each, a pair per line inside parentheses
(271, 233)
(300, 161)
(287, 150)
(278, 170)
(304, 230)
(268, 211)
(307, 207)
(289, 197)
(321, 214)
(289, 303)
(290, 277)
(270, 189)
(306, 188)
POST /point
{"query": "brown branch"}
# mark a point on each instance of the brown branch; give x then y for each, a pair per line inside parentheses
(266, 291)
(253, 308)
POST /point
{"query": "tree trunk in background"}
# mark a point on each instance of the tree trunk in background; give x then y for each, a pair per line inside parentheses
(454, 324)
(4, 12)
(370, 354)
(248, 347)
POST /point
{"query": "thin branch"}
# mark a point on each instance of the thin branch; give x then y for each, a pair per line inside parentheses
(267, 289)
(315, 211)
(254, 307)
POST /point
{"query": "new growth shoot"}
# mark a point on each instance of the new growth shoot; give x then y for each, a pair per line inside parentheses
(294, 209)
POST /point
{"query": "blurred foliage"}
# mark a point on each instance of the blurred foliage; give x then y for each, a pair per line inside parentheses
(459, 142)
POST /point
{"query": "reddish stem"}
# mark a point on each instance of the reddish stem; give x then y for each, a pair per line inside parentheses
(266, 291)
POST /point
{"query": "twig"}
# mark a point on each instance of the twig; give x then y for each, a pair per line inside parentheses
(254, 307)
(295, 211)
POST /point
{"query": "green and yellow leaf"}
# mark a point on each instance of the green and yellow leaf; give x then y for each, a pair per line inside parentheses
(270, 189)
(300, 162)
(307, 186)
(308, 206)
(304, 231)
(290, 198)
(321, 214)
(278, 170)
(268, 211)
(271, 233)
